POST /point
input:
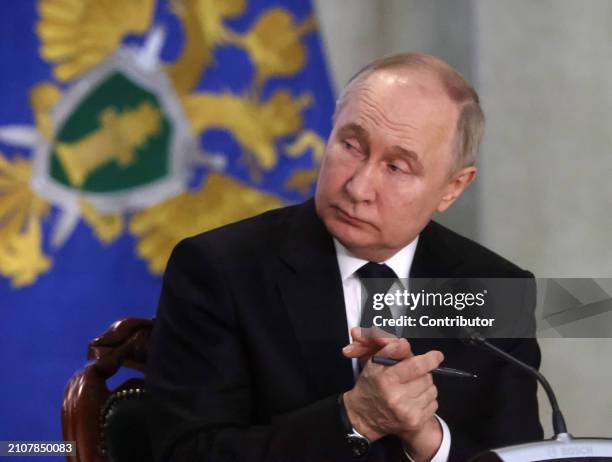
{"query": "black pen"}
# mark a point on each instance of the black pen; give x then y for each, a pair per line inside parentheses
(438, 370)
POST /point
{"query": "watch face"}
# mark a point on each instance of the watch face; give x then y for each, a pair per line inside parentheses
(359, 445)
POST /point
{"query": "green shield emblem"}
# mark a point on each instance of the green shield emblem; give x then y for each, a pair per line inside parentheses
(121, 140)
(117, 138)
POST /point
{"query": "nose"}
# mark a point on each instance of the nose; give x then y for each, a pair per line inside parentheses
(361, 185)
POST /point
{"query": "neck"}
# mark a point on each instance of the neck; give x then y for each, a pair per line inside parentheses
(375, 255)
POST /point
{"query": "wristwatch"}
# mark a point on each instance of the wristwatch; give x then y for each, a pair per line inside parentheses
(358, 444)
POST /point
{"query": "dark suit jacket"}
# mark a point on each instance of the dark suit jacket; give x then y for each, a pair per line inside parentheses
(245, 362)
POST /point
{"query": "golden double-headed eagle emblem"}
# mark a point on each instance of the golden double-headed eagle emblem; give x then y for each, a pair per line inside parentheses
(116, 132)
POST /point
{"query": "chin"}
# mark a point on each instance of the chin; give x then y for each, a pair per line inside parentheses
(349, 236)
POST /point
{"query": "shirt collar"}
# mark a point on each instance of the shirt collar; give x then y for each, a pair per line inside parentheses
(400, 262)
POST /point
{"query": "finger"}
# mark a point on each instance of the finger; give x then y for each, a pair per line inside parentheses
(399, 349)
(357, 335)
(360, 349)
(416, 388)
(416, 366)
(430, 410)
(369, 335)
(357, 349)
(377, 332)
(429, 395)
(365, 344)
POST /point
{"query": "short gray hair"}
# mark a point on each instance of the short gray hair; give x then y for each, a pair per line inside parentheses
(470, 123)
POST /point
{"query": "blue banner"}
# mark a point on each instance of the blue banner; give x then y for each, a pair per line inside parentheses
(124, 127)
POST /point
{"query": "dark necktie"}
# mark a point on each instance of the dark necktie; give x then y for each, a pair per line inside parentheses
(377, 279)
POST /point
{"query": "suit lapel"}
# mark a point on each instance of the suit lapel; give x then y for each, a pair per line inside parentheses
(311, 289)
(433, 258)
(433, 261)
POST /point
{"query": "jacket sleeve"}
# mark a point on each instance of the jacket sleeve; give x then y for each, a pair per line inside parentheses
(198, 380)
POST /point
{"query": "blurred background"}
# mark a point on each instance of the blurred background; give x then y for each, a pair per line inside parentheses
(216, 110)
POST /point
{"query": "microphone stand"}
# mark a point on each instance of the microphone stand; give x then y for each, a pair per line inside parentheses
(563, 446)
(558, 422)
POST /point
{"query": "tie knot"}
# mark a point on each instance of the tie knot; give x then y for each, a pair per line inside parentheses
(373, 270)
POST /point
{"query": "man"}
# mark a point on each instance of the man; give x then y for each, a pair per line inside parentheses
(247, 359)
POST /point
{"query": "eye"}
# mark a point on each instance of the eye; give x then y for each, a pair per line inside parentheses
(352, 147)
(397, 168)
(348, 145)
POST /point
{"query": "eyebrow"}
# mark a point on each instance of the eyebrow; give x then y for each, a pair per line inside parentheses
(399, 151)
(410, 156)
(355, 130)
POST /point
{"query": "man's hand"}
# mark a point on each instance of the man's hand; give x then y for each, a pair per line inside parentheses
(399, 399)
(367, 341)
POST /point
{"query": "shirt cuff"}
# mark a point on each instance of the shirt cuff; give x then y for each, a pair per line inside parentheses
(442, 454)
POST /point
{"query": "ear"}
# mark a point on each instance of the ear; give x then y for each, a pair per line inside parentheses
(458, 182)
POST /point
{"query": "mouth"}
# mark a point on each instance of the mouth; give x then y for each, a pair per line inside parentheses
(348, 218)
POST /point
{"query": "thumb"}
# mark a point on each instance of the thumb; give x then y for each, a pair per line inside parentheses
(400, 349)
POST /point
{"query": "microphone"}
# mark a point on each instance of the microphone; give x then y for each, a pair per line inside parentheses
(475, 338)
(563, 446)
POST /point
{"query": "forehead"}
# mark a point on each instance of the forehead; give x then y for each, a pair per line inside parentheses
(399, 108)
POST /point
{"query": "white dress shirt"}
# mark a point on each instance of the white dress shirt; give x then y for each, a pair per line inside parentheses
(400, 263)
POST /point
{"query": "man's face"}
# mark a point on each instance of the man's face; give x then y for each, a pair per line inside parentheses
(387, 164)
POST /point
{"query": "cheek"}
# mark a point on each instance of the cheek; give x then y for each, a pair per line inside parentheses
(335, 171)
(406, 205)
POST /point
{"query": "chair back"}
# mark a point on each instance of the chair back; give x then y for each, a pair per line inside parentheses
(110, 425)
